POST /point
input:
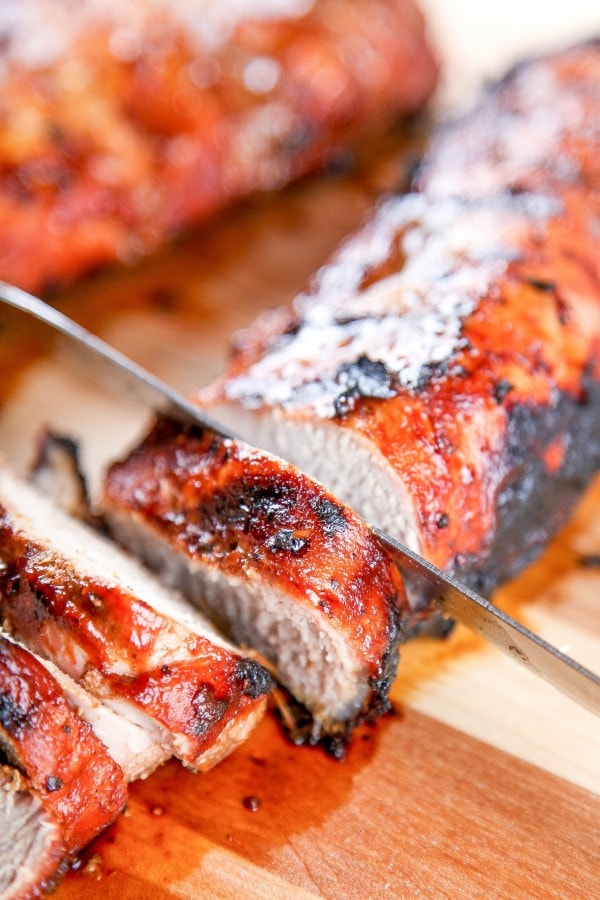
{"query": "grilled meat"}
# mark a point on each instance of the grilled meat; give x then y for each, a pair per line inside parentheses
(70, 769)
(72, 597)
(442, 373)
(31, 848)
(273, 558)
(123, 120)
(135, 749)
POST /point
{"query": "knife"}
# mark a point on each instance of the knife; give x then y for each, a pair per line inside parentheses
(454, 599)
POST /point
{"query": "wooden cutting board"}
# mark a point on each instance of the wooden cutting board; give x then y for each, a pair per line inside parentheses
(484, 782)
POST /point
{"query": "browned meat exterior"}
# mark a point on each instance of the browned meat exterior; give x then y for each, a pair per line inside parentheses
(31, 848)
(442, 374)
(77, 781)
(273, 558)
(124, 120)
(74, 598)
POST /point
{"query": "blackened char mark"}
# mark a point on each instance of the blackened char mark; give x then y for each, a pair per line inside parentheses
(257, 680)
(13, 718)
(208, 711)
(286, 541)
(534, 502)
(331, 516)
(362, 378)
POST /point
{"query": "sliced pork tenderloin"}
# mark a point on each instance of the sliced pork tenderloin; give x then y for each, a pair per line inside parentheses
(273, 558)
(32, 855)
(40, 733)
(133, 747)
(442, 375)
(74, 598)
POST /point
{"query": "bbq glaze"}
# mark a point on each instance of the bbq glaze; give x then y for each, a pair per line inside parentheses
(124, 121)
(75, 778)
(456, 339)
(227, 507)
(203, 695)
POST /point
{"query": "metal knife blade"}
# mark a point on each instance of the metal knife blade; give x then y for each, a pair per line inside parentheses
(455, 600)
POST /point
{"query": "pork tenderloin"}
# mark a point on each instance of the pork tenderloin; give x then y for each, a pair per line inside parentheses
(32, 855)
(125, 120)
(69, 767)
(74, 598)
(442, 373)
(273, 558)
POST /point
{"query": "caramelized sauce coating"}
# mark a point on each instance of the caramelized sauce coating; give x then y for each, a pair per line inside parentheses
(65, 762)
(457, 336)
(123, 121)
(228, 507)
(118, 646)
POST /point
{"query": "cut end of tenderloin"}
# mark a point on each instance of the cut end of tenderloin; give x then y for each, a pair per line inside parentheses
(77, 780)
(350, 466)
(134, 748)
(31, 848)
(441, 372)
(78, 600)
(276, 561)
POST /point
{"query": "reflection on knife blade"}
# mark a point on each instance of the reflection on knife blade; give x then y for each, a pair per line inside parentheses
(456, 600)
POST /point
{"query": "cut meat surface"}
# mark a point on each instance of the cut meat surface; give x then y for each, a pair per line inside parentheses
(74, 598)
(273, 558)
(31, 848)
(442, 373)
(71, 770)
(134, 748)
(124, 120)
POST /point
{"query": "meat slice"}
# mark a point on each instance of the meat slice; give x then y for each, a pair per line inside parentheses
(442, 373)
(133, 747)
(273, 558)
(76, 779)
(72, 597)
(124, 120)
(31, 848)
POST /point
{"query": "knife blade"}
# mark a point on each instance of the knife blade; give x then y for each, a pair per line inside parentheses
(453, 598)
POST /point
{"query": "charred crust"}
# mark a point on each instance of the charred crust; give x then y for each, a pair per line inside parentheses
(363, 378)
(57, 472)
(13, 718)
(502, 389)
(381, 683)
(268, 499)
(435, 625)
(298, 139)
(258, 681)
(533, 503)
(590, 561)
(53, 783)
(541, 285)
(166, 429)
(339, 162)
(208, 710)
(331, 515)
(286, 541)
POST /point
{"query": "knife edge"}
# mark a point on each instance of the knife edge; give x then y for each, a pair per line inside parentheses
(455, 599)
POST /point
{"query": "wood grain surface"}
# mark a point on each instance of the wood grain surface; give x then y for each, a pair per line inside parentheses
(485, 782)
